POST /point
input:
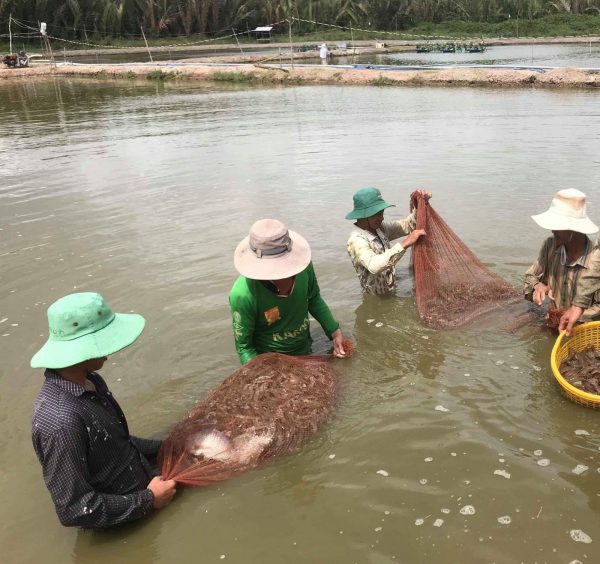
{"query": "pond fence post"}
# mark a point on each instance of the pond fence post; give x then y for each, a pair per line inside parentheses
(146, 42)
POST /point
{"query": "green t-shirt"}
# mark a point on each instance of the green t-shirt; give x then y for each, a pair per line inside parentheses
(265, 322)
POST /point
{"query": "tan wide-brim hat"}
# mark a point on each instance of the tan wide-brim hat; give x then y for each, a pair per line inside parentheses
(271, 252)
(567, 212)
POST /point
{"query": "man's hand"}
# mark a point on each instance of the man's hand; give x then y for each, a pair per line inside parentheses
(338, 345)
(569, 318)
(413, 238)
(540, 290)
(425, 194)
(163, 491)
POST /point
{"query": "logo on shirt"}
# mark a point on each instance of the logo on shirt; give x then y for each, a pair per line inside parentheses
(238, 329)
(272, 315)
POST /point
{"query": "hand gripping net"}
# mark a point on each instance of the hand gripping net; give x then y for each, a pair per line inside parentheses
(266, 408)
(452, 285)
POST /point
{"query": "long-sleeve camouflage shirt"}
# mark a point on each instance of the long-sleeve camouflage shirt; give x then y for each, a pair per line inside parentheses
(379, 277)
(575, 283)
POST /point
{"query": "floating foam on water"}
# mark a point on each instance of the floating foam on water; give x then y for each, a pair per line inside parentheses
(382, 473)
(504, 520)
(502, 473)
(537, 368)
(331, 456)
(467, 510)
(515, 367)
(579, 536)
(438, 522)
(445, 510)
(580, 469)
(379, 324)
(537, 452)
(441, 408)
(452, 454)
(499, 362)
(543, 462)
(428, 459)
(370, 321)
(419, 522)
(425, 337)
(423, 481)
(377, 529)
(3, 320)
(582, 432)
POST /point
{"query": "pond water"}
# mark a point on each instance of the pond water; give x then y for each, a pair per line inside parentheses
(141, 191)
(583, 55)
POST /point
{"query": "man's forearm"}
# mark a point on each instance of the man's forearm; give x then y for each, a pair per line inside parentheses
(96, 510)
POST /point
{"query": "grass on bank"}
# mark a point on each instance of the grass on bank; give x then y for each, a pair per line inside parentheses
(233, 76)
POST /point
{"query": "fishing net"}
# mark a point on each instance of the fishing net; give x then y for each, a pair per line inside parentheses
(266, 408)
(452, 285)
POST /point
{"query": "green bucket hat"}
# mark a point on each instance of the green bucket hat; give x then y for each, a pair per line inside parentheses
(367, 202)
(82, 326)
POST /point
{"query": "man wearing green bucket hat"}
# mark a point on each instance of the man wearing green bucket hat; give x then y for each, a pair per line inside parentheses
(371, 253)
(98, 474)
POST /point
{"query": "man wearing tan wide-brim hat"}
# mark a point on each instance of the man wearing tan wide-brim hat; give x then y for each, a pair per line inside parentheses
(276, 290)
(567, 271)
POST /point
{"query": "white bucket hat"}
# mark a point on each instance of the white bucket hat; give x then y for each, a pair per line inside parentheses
(271, 252)
(567, 213)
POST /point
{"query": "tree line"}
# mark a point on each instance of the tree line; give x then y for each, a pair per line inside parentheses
(78, 19)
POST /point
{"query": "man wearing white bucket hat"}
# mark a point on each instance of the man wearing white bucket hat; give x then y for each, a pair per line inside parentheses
(566, 261)
(98, 474)
(276, 291)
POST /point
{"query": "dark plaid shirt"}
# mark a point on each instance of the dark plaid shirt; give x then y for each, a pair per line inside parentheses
(95, 471)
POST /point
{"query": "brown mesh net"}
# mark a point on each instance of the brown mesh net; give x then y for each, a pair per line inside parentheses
(266, 408)
(452, 285)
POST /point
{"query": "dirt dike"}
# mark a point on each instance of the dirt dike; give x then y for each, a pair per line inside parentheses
(264, 74)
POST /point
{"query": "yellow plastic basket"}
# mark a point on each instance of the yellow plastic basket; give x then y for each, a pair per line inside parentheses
(583, 337)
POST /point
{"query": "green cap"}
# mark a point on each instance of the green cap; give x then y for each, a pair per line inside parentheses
(367, 202)
(82, 326)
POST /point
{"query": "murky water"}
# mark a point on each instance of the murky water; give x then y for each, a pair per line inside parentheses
(142, 191)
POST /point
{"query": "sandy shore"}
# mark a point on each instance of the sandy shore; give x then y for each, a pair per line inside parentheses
(253, 74)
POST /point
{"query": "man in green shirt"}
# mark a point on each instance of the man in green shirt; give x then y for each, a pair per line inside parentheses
(276, 291)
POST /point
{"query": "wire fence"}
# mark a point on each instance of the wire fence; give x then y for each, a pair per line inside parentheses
(286, 29)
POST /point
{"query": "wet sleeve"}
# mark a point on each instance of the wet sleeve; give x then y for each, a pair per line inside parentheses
(588, 285)
(243, 316)
(317, 306)
(537, 272)
(361, 253)
(401, 227)
(77, 503)
(148, 447)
